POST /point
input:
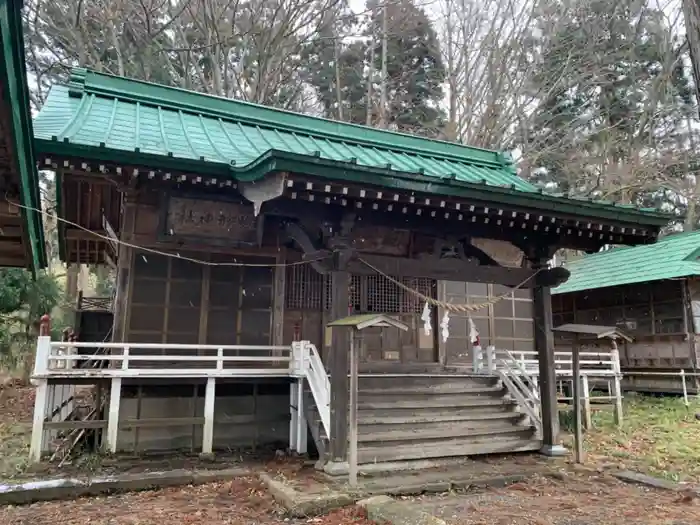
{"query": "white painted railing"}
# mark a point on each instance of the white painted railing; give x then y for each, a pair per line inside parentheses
(66, 359)
(596, 364)
(519, 372)
(116, 361)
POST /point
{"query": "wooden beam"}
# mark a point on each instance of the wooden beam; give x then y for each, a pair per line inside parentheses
(10, 231)
(11, 261)
(309, 212)
(441, 269)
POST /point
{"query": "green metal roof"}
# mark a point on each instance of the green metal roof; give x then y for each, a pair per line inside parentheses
(129, 115)
(13, 76)
(110, 119)
(670, 257)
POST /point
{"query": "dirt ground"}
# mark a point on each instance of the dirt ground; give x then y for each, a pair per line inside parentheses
(239, 502)
(567, 499)
(16, 409)
(568, 496)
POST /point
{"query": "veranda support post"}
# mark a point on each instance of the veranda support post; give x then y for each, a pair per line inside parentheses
(41, 362)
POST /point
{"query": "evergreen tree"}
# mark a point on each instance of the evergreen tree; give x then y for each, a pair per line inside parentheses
(612, 95)
(352, 67)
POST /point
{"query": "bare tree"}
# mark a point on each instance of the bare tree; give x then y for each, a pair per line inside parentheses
(248, 49)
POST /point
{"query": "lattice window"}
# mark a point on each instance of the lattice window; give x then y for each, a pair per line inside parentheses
(379, 294)
(304, 288)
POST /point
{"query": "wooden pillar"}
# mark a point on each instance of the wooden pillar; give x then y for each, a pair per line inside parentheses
(338, 367)
(544, 344)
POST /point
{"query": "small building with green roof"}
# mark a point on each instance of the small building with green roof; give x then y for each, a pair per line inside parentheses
(653, 292)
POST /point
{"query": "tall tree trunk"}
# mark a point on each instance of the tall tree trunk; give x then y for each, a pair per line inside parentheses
(383, 97)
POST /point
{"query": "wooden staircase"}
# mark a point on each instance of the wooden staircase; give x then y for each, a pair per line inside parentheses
(414, 417)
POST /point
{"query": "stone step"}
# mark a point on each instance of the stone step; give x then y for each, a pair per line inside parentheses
(432, 417)
(433, 402)
(466, 446)
(438, 431)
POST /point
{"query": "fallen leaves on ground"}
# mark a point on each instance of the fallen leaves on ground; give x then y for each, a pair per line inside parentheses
(576, 500)
(659, 436)
(242, 501)
(16, 411)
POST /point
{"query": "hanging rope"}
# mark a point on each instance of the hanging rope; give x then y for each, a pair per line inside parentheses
(160, 252)
(450, 307)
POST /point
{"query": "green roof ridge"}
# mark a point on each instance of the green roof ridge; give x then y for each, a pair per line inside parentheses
(671, 257)
(85, 81)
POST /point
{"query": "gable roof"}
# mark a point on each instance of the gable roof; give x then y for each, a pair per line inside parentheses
(670, 257)
(17, 159)
(111, 119)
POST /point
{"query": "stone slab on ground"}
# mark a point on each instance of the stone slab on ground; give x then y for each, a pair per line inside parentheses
(629, 476)
(383, 509)
(69, 488)
(300, 504)
(309, 495)
(459, 476)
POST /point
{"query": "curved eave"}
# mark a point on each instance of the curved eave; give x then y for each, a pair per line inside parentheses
(16, 104)
(273, 161)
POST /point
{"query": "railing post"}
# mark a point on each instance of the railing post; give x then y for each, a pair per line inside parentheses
(476, 358)
(113, 418)
(208, 429)
(587, 419)
(617, 386)
(685, 387)
(491, 359)
(125, 359)
(43, 351)
(220, 359)
(295, 364)
(40, 399)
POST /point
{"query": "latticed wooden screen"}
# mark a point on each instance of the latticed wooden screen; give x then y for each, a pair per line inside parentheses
(306, 289)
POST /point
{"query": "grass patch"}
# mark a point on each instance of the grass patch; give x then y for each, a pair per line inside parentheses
(659, 436)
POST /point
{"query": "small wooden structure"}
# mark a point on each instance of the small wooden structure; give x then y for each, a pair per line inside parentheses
(357, 323)
(652, 292)
(613, 334)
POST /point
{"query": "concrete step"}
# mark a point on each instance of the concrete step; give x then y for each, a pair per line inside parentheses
(468, 446)
(433, 402)
(433, 417)
(438, 431)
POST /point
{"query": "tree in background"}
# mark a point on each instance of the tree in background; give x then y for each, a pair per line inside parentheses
(592, 96)
(250, 50)
(612, 100)
(23, 300)
(387, 75)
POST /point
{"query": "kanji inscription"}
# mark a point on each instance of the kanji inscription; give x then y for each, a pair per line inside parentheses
(208, 218)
